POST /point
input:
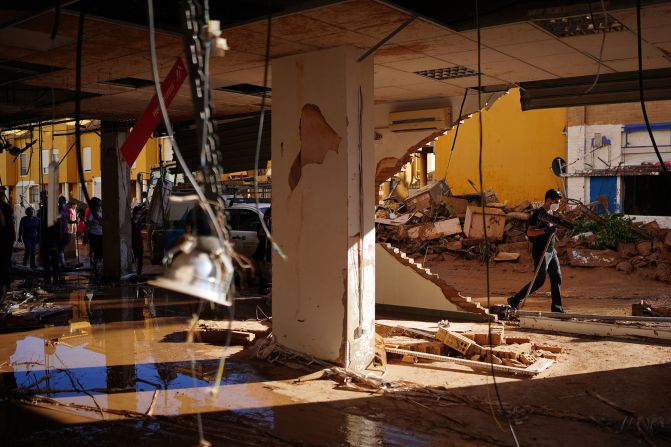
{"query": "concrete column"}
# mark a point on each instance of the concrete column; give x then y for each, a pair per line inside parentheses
(423, 168)
(116, 202)
(323, 205)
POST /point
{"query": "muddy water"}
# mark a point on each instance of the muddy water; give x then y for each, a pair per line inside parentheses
(120, 354)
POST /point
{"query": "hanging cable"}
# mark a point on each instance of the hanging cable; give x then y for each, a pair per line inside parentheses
(259, 135)
(640, 86)
(166, 120)
(456, 131)
(484, 222)
(603, 44)
(78, 112)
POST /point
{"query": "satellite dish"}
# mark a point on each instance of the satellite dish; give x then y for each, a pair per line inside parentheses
(559, 166)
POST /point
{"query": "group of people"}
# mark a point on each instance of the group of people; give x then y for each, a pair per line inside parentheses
(35, 233)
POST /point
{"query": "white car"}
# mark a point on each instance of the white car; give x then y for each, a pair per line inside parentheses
(244, 220)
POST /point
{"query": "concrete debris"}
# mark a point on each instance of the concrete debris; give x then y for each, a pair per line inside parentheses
(644, 309)
(503, 256)
(433, 225)
(495, 220)
(481, 343)
(241, 332)
(426, 232)
(584, 257)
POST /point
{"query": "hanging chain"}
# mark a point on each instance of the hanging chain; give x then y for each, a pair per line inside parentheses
(197, 43)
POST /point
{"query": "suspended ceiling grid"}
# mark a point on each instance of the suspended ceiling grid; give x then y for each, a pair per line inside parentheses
(511, 53)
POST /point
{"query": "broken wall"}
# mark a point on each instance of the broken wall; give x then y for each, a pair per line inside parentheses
(518, 149)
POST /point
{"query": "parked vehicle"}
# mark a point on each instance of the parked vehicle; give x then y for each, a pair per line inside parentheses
(243, 221)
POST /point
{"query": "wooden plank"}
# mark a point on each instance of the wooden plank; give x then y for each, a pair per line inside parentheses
(594, 328)
(568, 316)
(482, 366)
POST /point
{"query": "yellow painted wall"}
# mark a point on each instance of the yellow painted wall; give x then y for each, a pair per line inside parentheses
(518, 149)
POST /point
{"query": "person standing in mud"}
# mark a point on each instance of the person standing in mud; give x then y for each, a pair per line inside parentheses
(29, 231)
(50, 242)
(94, 229)
(7, 238)
(136, 238)
(541, 234)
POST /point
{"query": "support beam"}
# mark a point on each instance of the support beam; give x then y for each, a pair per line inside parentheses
(323, 205)
(115, 202)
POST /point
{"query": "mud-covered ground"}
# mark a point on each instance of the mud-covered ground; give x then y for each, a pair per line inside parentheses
(116, 369)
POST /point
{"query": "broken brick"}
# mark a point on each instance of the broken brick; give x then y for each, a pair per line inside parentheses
(517, 340)
(549, 348)
(527, 359)
(457, 341)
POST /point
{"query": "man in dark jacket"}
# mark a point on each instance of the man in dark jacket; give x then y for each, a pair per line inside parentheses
(541, 234)
(29, 230)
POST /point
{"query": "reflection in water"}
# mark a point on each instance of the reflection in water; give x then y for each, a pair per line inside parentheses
(121, 350)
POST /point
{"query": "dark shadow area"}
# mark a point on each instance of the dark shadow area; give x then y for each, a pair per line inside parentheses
(568, 410)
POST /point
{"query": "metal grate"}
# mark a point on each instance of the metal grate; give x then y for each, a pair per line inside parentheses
(581, 25)
(441, 74)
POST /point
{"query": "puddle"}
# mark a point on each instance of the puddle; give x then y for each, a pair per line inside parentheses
(115, 350)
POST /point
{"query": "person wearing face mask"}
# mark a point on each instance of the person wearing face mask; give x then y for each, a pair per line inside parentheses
(541, 234)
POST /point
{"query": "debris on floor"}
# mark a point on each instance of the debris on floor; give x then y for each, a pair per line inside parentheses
(477, 345)
(434, 225)
(25, 309)
(242, 332)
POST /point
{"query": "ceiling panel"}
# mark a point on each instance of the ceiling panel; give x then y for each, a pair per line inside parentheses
(512, 34)
(568, 65)
(470, 58)
(342, 37)
(546, 47)
(651, 16)
(515, 71)
(632, 64)
(422, 63)
(619, 45)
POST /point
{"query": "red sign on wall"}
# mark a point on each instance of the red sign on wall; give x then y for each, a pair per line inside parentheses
(152, 114)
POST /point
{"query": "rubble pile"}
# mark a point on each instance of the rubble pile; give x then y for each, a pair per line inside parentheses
(475, 343)
(434, 225)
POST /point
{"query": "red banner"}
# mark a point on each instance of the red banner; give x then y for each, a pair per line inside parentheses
(152, 114)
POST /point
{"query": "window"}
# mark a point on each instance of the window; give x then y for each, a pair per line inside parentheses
(242, 220)
(34, 194)
(45, 161)
(248, 220)
(646, 195)
(54, 155)
(23, 159)
(86, 159)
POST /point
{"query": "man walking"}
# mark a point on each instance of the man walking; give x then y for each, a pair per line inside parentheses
(29, 229)
(541, 234)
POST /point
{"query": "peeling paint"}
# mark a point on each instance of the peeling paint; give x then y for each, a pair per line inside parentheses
(317, 139)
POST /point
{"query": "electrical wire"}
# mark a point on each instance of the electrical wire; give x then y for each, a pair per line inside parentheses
(204, 203)
(456, 131)
(78, 111)
(640, 86)
(484, 222)
(259, 134)
(603, 44)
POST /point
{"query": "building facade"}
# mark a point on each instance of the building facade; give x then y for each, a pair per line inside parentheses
(27, 174)
(611, 162)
